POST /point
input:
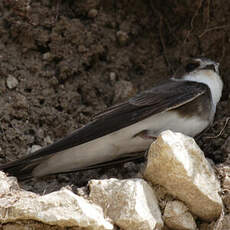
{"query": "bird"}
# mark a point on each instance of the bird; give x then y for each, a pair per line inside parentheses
(184, 103)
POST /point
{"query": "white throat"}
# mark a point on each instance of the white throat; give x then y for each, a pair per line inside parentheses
(211, 79)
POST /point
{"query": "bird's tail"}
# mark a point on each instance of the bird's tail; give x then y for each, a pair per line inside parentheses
(22, 168)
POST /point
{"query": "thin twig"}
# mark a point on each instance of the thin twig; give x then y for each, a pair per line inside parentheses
(223, 48)
(44, 191)
(160, 33)
(213, 28)
(208, 12)
(192, 21)
(163, 42)
(221, 131)
(57, 10)
(207, 16)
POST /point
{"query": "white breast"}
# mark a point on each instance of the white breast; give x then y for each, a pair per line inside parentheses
(211, 79)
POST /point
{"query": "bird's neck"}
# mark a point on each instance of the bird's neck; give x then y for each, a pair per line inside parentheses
(211, 79)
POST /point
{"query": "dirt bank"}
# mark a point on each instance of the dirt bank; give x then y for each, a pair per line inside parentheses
(72, 59)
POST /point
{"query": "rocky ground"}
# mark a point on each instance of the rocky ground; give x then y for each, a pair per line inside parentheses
(61, 62)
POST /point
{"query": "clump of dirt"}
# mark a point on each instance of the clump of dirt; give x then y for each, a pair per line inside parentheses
(72, 59)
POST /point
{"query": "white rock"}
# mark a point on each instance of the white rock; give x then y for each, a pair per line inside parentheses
(177, 216)
(92, 13)
(224, 173)
(226, 182)
(47, 56)
(34, 148)
(7, 184)
(176, 162)
(48, 140)
(62, 208)
(130, 203)
(112, 76)
(11, 82)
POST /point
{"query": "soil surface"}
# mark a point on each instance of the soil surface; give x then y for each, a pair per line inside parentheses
(63, 61)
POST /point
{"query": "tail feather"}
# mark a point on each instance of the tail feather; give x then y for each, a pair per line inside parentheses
(22, 168)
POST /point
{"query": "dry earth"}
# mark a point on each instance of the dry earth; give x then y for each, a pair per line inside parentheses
(72, 59)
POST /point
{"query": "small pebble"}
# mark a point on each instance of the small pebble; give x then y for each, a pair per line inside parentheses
(92, 13)
(33, 149)
(11, 82)
(47, 56)
(226, 182)
(48, 140)
(122, 37)
(112, 76)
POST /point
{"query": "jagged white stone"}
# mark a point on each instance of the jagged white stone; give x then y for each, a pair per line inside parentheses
(176, 162)
(177, 216)
(7, 184)
(62, 208)
(130, 203)
(11, 82)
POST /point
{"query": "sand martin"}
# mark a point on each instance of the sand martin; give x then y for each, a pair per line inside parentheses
(185, 103)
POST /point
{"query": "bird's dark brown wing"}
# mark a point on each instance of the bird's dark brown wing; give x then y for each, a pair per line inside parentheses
(161, 98)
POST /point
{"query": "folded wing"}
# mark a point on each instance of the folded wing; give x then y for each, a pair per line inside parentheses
(158, 99)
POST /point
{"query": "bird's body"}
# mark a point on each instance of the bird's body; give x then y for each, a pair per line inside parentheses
(185, 104)
(119, 143)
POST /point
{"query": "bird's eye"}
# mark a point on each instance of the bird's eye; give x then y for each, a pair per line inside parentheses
(191, 66)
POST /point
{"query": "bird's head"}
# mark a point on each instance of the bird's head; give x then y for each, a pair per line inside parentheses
(194, 66)
(202, 70)
(197, 64)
